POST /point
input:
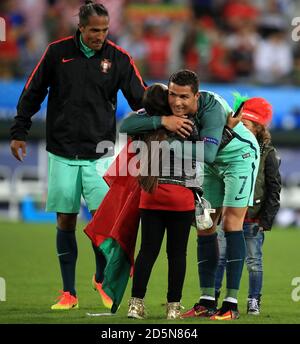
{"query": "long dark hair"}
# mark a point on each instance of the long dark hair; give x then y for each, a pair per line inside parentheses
(155, 102)
(263, 134)
(90, 8)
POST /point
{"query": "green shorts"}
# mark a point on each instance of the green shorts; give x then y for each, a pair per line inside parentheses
(231, 184)
(68, 180)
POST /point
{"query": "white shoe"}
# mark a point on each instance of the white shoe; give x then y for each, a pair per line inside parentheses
(253, 306)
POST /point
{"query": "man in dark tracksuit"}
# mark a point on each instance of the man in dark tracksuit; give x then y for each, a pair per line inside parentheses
(83, 75)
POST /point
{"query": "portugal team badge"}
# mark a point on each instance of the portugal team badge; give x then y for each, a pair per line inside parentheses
(105, 65)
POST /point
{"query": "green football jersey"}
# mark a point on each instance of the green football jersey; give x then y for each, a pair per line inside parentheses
(211, 118)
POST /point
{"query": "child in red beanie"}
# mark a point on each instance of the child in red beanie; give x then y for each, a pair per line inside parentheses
(256, 115)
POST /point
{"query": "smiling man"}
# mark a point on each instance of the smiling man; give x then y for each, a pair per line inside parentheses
(83, 74)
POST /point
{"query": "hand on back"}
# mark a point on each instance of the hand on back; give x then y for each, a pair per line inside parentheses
(179, 125)
(233, 121)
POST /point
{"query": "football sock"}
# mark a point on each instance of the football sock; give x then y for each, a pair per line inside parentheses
(67, 254)
(235, 253)
(100, 265)
(208, 255)
(219, 276)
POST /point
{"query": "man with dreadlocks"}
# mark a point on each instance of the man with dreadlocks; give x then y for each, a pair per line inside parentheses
(83, 74)
(256, 115)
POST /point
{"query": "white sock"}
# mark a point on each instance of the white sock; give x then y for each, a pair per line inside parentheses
(231, 299)
(206, 297)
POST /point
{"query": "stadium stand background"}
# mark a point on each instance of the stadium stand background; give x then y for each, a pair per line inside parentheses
(233, 45)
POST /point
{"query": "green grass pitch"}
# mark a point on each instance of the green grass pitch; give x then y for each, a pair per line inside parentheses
(29, 267)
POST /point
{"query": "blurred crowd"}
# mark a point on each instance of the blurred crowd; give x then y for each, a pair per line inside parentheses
(223, 40)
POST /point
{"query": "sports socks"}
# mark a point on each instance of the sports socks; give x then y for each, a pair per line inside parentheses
(67, 254)
(208, 256)
(235, 253)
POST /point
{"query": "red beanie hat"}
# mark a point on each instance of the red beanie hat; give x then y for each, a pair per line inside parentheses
(258, 110)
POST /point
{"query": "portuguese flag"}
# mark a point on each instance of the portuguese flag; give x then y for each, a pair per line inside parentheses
(113, 228)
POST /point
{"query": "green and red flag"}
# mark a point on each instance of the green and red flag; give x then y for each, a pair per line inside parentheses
(113, 228)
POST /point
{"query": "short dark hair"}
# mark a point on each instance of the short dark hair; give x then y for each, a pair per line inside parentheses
(155, 100)
(90, 8)
(185, 77)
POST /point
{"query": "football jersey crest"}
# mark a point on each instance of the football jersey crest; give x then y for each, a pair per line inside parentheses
(105, 65)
